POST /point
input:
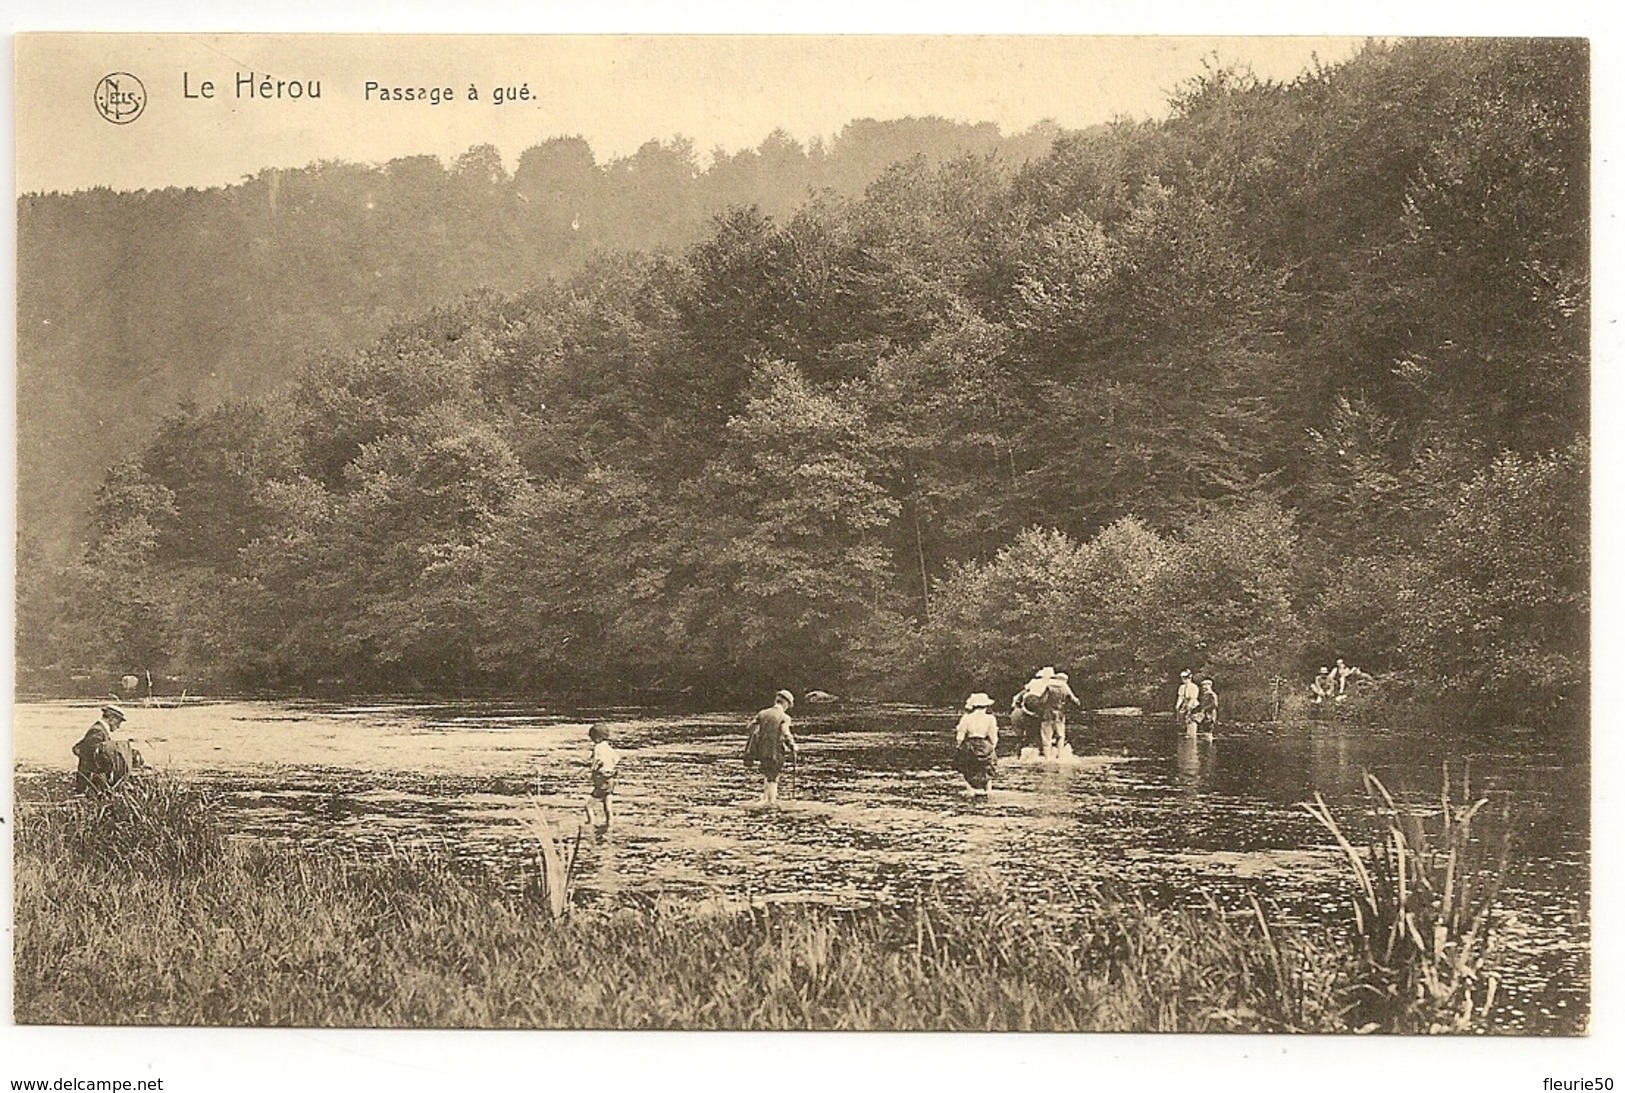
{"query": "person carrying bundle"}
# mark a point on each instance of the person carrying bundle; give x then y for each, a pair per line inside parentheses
(1027, 710)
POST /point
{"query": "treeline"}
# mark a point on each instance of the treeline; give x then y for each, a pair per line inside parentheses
(1299, 372)
(129, 302)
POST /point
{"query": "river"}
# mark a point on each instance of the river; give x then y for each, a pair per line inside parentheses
(874, 812)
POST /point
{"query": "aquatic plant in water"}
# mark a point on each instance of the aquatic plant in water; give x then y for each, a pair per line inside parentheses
(555, 861)
(1423, 912)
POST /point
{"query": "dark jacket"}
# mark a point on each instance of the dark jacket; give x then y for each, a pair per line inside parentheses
(103, 761)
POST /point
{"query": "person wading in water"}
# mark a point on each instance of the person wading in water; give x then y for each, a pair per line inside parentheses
(1186, 701)
(769, 742)
(977, 744)
(1207, 708)
(1057, 695)
(605, 761)
(1027, 712)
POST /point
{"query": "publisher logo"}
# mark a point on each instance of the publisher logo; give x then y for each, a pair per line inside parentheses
(120, 98)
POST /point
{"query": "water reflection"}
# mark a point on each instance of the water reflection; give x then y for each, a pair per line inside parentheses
(1193, 763)
(1329, 760)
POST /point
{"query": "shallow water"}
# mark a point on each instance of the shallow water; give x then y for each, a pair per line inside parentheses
(874, 814)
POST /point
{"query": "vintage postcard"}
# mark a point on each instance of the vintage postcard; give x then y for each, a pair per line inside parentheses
(803, 533)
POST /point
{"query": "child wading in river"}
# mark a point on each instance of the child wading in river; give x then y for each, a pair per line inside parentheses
(604, 761)
(769, 741)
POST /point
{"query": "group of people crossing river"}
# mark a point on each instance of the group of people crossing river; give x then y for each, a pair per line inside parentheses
(1038, 719)
(1038, 714)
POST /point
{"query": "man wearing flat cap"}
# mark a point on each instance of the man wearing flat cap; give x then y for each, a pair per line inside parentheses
(102, 763)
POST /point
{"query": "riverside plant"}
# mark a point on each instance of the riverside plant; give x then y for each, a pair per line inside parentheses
(1425, 898)
(217, 931)
(264, 934)
(151, 824)
(555, 860)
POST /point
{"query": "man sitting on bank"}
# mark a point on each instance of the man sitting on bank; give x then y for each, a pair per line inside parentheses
(104, 763)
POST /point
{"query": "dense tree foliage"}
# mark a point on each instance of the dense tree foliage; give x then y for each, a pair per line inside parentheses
(129, 303)
(1298, 372)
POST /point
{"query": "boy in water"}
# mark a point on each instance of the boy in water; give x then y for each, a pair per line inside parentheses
(1053, 728)
(604, 761)
(769, 742)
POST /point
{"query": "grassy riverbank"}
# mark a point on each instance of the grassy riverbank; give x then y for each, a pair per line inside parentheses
(139, 911)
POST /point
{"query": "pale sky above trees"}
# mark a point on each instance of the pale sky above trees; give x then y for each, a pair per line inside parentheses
(616, 91)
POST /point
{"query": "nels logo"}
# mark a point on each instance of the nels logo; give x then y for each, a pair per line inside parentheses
(120, 98)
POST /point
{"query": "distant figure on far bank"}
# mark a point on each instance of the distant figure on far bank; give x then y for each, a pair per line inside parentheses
(104, 762)
(770, 742)
(976, 740)
(605, 761)
(1207, 708)
(1186, 701)
(1344, 676)
(1324, 688)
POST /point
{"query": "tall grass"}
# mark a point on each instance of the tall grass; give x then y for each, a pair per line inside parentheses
(245, 934)
(154, 825)
(1425, 895)
(411, 944)
(142, 912)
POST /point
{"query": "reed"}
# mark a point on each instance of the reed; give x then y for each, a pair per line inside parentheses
(1425, 897)
(262, 935)
(555, 861)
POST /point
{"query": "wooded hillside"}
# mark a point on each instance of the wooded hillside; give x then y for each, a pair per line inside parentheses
(130, 303)
(1300, 371)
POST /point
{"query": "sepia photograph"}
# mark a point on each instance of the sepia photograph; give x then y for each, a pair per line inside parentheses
(820, 533)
